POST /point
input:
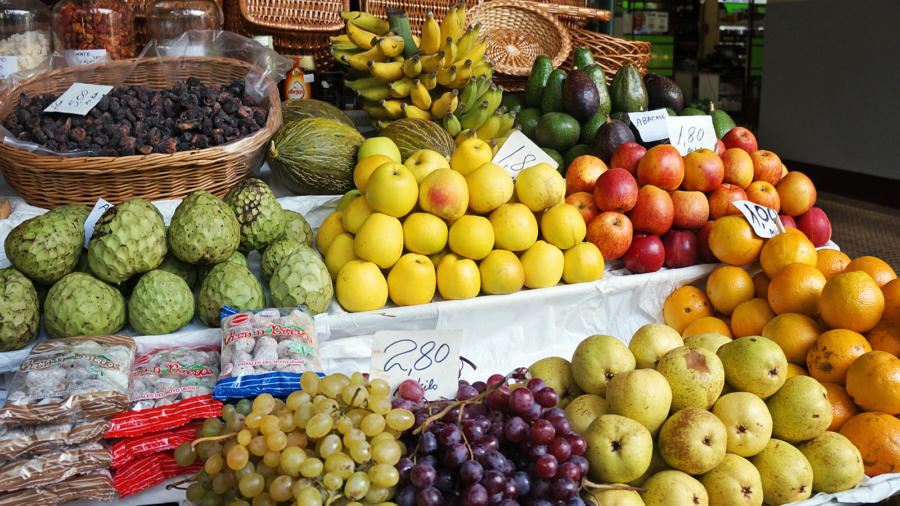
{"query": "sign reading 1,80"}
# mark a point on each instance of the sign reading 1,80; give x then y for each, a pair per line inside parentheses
(690, 133)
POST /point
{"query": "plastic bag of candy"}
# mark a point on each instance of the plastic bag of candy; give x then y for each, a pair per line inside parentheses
(126, 449)
(94, 486)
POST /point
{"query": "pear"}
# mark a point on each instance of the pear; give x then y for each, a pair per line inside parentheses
(597, 359)
(611, 497)
(557, 374)
(693, 440)
(754, 364)
(643, 395)
(747, 422)
(585, 409)
(674, 488)
(800, 410)
(785, 473)
(651, 342)
(734, 482)
(712, 341)
(619, 449)
(836, 463)
(657, 465)
(695, 375)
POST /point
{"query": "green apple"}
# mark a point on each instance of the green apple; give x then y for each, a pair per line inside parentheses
(379, 146)
(424, 162)
(347, 198)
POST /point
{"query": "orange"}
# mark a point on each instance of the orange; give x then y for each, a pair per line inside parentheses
(824, 327)
(724, 318)
(873, 381)
(831, 354)
(684, 306)
(707, 325)
(842, 406)
(851, 301)
(877, 436)
(784, 249)
(891, 292)
(796, 289)
(727, 287)
(880, 271)
(795, 370)
(732, 240)
(885, 337)
(761, 284)
(795, 333)
(750, 317)
(831, 262)
(364, 169)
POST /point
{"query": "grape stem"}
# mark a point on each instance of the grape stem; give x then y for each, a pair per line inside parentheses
(599, 486)
(182, 482)
(333, 498)
(213, 438)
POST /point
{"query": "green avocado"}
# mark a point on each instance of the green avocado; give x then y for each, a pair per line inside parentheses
(575, 152)
(589, 128)
(554, 154)
(627, 91)
(537, 81)
(514, 102)
(582, 58)
(552, 101)
(528, 120)
(690, 111)
(596, 73)
(722, 122)
(557, 131)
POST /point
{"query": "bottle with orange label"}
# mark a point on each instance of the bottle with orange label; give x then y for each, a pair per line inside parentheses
(300, 81)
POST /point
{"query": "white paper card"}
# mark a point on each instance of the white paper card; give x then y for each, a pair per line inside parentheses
(86, 56)
(430, 357)
(8, 65)
(80, 98)
(690, 133)
(651, 124)
(765, 221)
(518, 152)
(99, 208)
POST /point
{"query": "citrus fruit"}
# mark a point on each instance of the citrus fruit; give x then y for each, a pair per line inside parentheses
(727, 287)
(784, 249)
(842, 405)
(684, 306)
(831, 354)
(885, 337)
(795, 370)
(891, 292)
(365, 168)
(877, 436)
(796, 289)
(750, 317)
(851, 301)
(873, 380)
(761, 284)
(880, 271)
(824, 327)
(831, 262)
(707, 325)
(732, 240)
(795, 333)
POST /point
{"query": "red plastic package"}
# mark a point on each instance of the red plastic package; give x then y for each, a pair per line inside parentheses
(127, 449)
(141, 474)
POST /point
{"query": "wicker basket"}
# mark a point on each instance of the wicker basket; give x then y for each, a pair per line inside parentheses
(50, 181)
(610, 52)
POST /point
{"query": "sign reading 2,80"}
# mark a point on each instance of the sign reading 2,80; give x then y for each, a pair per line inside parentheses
(429, 357)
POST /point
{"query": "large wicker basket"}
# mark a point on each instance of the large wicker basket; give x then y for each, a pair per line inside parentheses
(50, 181)
(610, 52)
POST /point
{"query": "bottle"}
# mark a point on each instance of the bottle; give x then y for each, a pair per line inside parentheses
(300, 81)
(94, 28)
(168, 19)
(25, 39)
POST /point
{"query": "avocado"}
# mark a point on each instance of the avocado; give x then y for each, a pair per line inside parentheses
(557, 130)
(722, 122)
(528, 120)
(514, 102)
(540, 72)
(589, 128)
(582, 58)
(690, 111)
(621, 116)
(671, 112)
(596, 73)
(554, 154)
(627, 91)
(552, 101)
(580, 96)
(576, 151)
(610, 136)
(663, 92)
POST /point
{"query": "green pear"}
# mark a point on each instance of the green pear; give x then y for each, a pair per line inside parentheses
(643, 395)
(747, 422)
(693, 440)
(557, 374)
(347, 198)
(800, 410)
(657, 465)
(585, 409)
(754, 364)
(712, 341)
(618, 449)
(733, 482)
(836, 463)
(785, 473)
(674, 488)
(611, 497)
(651, 342)
(695, 375)
(597, 360)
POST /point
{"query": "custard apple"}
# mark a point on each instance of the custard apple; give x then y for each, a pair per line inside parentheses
(204, 230)
(82, 305)
(302, 279)
(275, 254)
(20, 319)
(228, 284)
(128, 239)
(257, 211)
(236, 257)
(160, 304)
(184, 270)
(47, 247)
(296, 228)
(77, 212)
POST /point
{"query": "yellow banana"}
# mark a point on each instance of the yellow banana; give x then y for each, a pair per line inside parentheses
(378, 111)
(495, 96)
(463, 73)
(465, 42)
(339, 55)
(341, 39)
(441, 106)
(412, 67)
(464, 136)
(461, 14)
(491, 127)
(431, 35)
(429, 80)
(484, 85)
(507, 121)
(432, 62)
(475, 117)
(450, 24)
(376, 93)
(477, 52)
(450, 51)
(387, 72)
(360, 37)
(419, 95)
(361, 61)
(348, 47)
(451, 124)
(401, 88)
(446, 76)
(391, 46)
(412, 111)
(374, 123)
(416, 40)
(366, 82)
(367, 21)
(394, 107)
(485, 69)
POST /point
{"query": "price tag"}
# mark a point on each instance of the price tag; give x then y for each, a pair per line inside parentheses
(80, 98)
(765, 221)
(690, 133)
(8, 65)
(430, 357)
(518, 152)
(99, 208)
(86, 56)
(651, 124)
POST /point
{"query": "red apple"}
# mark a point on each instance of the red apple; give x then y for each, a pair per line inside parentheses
(740, 137)
(720, 147)
(662, 166)
(691, 209)
(583, 173)
(703, 171)
(703, 243)
(766, 167)
(681, 248)
(584, 202)
(787, 221)
(611, 233)
(764, 194)
(816, 226)
(627, 157)
(654, 212)
(646, 254)
(616, 190)
(720, 200)
(738, 167)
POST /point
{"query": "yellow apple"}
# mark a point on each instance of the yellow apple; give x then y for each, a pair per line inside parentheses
(470, 155)
(364, 170)
(563, 226)
(501, 273)
(540, 187)
(437, 257)
(339, 253)
(328, 230)
(380, 240)
(356, 214)
(444, 193)
(424, 162)
(424, 233)
(378, 146)
(412, 280)
(471, 237)
(490, 186)
(543, 264)
(347, 198)
(392, 190)
(360, 286)
(583, 263)
(515, 228)
(458, 278)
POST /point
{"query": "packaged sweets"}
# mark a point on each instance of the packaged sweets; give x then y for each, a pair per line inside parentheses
(266, 351)
(129, 448)
(93, 486)
(141, 474)
(42, 470)
(41, 439)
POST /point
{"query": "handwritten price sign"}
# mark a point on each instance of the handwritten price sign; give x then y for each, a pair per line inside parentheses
(765, 221)
(79, 99)
(690, 133)
(8, 65)
(518, 153)
(88, 56)
(431, 357)
(99, 208)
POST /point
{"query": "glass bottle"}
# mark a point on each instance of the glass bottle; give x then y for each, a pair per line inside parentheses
(168, 19)
(93, 26)
(25, 39)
